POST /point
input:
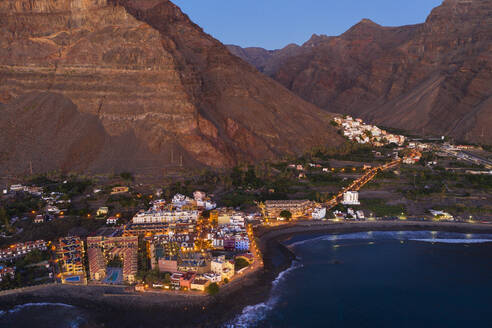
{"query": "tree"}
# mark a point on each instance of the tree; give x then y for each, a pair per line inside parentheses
(115, 262)
(286, 215)
(167, 278)
(5, 219)
(212, 289)
(126, 176)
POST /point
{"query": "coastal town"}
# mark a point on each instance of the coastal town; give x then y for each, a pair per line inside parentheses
(185, 242)
(172, 245)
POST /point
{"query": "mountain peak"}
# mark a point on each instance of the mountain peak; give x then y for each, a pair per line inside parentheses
(367, 21)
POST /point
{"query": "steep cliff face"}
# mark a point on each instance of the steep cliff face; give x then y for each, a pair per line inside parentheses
(434, 77)
(144, 70)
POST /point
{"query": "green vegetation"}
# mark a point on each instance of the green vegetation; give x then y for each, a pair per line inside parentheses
(479, 181)
(240, 263)
(379, 207)
(54, 229)
(124, 200)
(462, 209)
(144, 267)
(156, 277)
(286, 215)
(41, 181)
(28, 272)
(212, 289)
(348, 151)
(115, 262)
(71, 187)
(127, 176)
(238, 199)
(33, 257)
(21, 204)
(5, 220)
(320, 179)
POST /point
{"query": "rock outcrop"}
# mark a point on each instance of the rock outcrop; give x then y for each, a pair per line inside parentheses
(144, 73)
(430, 78)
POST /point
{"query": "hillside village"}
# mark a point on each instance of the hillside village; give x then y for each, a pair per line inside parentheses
(360, 132)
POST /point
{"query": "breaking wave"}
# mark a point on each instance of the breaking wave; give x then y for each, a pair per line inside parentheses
(455, 241)
(28, 305)
(253, 314)
(421, 236)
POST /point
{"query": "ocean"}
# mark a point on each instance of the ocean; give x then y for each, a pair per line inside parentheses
(44, 315)
(381, 279)
(369, 279)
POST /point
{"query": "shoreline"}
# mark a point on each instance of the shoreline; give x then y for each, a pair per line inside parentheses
(103, 302)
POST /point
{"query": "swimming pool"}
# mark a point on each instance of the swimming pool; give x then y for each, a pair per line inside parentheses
(114, 276)
(73, 279)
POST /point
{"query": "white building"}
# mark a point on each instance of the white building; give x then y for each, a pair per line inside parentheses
(52, 209)
(242, 243)
(17, 187)
(112, 220)
(229, 217)
(212, 277)
(319, 213)
(199, 195)
(351, 198)
(181, 200)
(164, 216)
(221, 266)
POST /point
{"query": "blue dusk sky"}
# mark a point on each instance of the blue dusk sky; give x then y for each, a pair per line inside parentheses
(273, 24)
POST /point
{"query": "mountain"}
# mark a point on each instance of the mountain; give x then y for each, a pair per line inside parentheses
(429, 78)
(141, 88)
(266, 61)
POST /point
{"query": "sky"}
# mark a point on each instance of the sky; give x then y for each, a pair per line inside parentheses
(273, 24)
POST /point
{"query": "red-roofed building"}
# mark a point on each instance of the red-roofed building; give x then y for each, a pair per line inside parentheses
(186, 280)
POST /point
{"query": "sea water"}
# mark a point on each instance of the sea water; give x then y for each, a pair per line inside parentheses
(43, 315)
(381, 279)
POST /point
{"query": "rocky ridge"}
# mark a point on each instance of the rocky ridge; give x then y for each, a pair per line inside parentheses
(429, 78)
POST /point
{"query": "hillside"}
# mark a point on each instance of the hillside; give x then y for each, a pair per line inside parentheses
(141, 72)
(429, 78)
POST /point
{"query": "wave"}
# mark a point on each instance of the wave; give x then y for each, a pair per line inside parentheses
(455, 241)
(431, 236)
(253, 314)
(18, 308)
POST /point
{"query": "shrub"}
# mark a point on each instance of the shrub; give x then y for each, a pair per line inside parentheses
(286, 215)
(212, 289)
